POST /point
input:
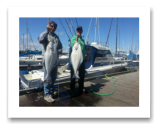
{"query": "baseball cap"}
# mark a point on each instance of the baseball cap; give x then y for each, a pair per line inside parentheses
(79, 28)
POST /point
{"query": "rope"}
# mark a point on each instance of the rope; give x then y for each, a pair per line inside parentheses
(76, 22)
(31, 40)
(64, 29)
(72, 26)
(23, 43)
(68, 27)
(109, 32)
(30, 35)
(88, 30)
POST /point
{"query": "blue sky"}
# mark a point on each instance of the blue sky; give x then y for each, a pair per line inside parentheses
(127, 27)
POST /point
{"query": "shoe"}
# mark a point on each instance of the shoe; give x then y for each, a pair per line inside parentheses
(49, 98)
(72, 93)
(80, 91)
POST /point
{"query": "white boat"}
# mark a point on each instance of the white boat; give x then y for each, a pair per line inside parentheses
(63, 59)
(37, 60)
(31, 60)
(136, 62)
(99, 60)
(122, 57)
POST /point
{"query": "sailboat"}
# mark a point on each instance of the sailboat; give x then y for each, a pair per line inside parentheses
(120, 55)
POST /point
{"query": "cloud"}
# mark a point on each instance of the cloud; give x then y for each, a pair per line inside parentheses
(38, 46)
(66, 50)
(60, 33)
(25, 37)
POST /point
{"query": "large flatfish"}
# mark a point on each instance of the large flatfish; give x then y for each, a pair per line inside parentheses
(76, 59)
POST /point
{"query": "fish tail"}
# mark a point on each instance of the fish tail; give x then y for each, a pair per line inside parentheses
(75, 76)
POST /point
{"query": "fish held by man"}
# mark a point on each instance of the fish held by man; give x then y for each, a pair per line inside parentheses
(50, 60)
(76, 59)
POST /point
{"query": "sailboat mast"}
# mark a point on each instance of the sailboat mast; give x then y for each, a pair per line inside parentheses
(23, 41)
(132, 39)
(129, 47)
(98, 31)
(88, 31)
(88, 40)
(27, 33)
(95, 30)
(116, 35)
(108, 34)
(119, 39)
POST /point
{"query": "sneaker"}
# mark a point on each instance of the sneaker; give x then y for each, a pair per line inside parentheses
(80, 91)
(49, 98)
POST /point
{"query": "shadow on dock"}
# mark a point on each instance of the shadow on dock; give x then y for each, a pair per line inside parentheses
(64, 98)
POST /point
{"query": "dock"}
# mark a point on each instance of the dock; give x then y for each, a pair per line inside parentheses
(126, 93)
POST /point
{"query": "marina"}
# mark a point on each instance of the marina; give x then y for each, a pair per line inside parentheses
(126, 93)
(111, 79)
(99, 60)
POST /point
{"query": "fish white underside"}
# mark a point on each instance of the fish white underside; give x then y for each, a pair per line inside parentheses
(50, 60)
(76, 59)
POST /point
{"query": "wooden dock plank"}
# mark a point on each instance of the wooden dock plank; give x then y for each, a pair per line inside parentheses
(23, 101)
(126, 94)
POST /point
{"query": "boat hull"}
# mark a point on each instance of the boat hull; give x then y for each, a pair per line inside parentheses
(65, 76)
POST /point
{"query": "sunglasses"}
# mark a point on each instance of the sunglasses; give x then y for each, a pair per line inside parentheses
(53, 26)
(80, 30)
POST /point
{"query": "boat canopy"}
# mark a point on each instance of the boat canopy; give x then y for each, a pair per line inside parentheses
(132, 55)
(27, 53)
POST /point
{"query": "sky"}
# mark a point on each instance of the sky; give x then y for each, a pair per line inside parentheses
(128, 31)
(142, 31)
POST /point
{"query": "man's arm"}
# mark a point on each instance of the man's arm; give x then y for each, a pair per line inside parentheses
(78, 36)
(43, 37)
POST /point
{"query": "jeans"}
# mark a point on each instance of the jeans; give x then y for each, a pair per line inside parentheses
(49, 88)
